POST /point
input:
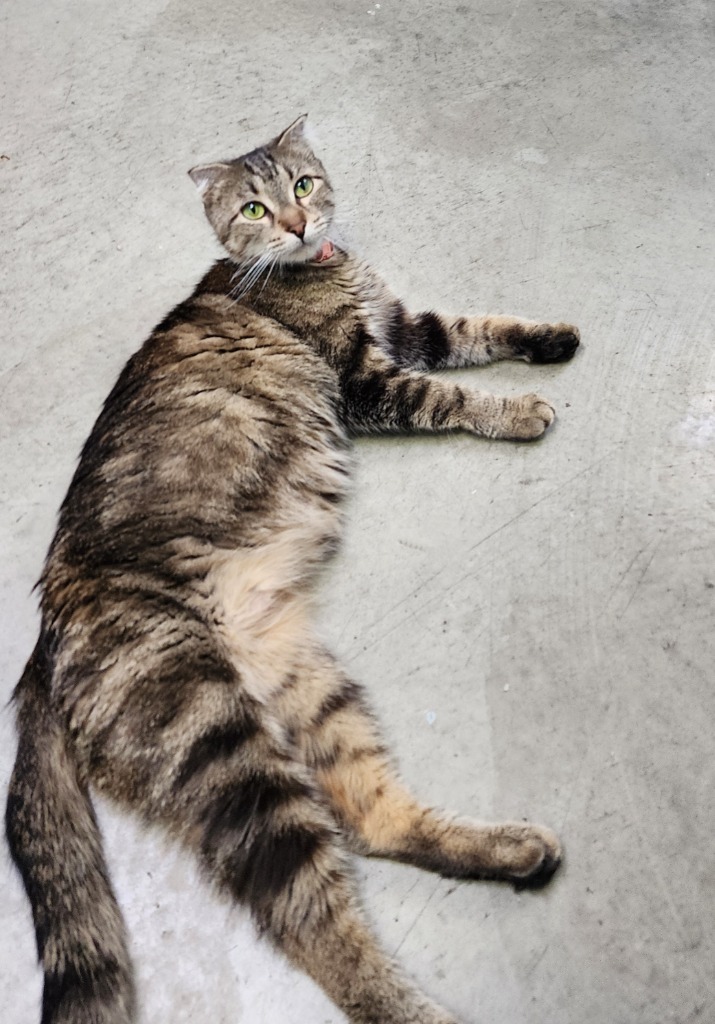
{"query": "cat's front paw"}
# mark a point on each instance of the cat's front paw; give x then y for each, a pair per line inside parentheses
(528, 417)
(552, 343)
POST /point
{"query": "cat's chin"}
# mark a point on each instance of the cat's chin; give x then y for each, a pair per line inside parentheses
(307, 253)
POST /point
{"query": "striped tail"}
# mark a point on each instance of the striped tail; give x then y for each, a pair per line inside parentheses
(56, 844)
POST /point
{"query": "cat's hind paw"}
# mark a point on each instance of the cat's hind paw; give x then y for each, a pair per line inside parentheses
(552, 343)
(534, 854)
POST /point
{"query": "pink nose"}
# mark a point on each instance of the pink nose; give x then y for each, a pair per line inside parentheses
(296, 228)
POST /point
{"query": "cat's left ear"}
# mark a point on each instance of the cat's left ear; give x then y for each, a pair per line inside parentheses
(293, 132)
(206, 175)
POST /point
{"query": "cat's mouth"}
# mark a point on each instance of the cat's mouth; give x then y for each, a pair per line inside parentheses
(326, 252)
(308, 253)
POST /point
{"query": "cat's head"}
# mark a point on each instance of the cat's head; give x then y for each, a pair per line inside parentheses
(274, 203)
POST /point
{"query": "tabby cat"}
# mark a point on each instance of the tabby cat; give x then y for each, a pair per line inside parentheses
(176, 670)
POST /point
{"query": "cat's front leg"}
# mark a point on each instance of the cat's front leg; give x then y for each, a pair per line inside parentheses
(380, 396)
(527, 339)
(432, 341)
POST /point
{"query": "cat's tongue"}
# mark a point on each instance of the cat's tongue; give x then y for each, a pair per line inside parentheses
(327, 250)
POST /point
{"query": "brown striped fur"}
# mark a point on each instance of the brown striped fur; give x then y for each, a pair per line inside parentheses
(176, 669)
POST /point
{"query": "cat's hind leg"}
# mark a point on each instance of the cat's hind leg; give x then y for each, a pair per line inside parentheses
(172, 731)
(266, 837)
(382, 818)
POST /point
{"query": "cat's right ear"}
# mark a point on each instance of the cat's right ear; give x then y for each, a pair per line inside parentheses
(294, 131)
(206, 175)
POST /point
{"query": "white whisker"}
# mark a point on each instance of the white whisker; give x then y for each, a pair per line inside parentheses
(270, 271)
(252, 274)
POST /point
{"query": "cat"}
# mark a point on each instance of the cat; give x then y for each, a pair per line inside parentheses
(176, 670)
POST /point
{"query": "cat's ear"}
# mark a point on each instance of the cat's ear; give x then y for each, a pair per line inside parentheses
(293, 132)
(206, 175)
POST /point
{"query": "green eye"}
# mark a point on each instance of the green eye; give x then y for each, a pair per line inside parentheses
(303, 187)
(253, 211)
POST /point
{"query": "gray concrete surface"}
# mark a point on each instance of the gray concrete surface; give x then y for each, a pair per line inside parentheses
(534, 621)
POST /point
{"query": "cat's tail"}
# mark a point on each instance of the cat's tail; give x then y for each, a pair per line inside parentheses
(55, 842)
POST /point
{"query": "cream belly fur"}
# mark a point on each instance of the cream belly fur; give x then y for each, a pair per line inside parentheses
(262, 613)
(261, 623)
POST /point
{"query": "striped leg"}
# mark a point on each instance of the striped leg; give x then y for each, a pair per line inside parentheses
(433, 341)
(478, 340)
(221, 777)
(268, 839)
(380, 395)
(351, 766)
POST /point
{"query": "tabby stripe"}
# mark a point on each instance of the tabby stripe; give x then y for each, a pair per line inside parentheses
(332, 497)
(369, 392)
(220, 742)
(409, 398)
(261, 164)
(361, 753)
(351, 363)
(337, 701)
(398, 336)
(339, 754)
(77, 988)
(244, 810)
(448, 408)
(289, 682)
(434, 344)
(441, 413)
(274, 861)
(257, 856)
(168, 685)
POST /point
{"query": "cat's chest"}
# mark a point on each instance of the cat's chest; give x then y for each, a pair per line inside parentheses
(332, 308)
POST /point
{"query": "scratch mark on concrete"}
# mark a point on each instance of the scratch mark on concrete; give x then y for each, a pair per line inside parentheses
(539, 501)
(623, 575)
(427, 580)
(538, 960)
(417, 919)
(640, 579)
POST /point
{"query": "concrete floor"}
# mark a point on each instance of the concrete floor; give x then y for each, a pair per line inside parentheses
(534, 621)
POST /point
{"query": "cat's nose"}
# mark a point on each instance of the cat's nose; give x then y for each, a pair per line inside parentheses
(293, 221)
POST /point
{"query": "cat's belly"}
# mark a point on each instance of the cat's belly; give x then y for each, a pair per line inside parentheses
(260, 596)
(261, 606)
